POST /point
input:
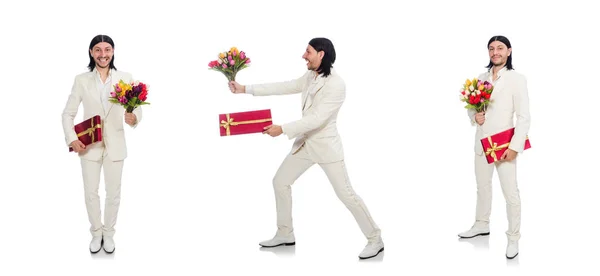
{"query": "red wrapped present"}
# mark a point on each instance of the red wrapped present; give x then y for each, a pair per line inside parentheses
(89, 131)
(494, 146)
(244, 122)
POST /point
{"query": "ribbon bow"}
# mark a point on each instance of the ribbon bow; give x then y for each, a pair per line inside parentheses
(494, 148)
(229, 122)
(90, 131)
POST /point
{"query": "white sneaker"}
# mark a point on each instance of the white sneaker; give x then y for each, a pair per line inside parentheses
(279, 240)
(512, 249)
(371, 250)
(109, 245)
(96, 244)
(474, 232)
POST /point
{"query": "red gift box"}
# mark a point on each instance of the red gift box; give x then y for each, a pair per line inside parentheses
(244, 122)
(89, 131)
(494, 146)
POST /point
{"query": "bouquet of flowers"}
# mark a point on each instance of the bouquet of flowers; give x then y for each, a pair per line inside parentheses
(129, 95)
(230, 63)
(476, 94)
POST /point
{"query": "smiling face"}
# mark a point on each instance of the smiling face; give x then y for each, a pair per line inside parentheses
(102, 53)
(312, 58)
(498, 53)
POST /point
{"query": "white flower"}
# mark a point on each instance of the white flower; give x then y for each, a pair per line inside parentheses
(478, 92)
(219, 61)
(473, 94)
(471, 88)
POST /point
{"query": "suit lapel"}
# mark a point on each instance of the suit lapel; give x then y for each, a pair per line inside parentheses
(311, 91)
(498, 87)
(113, 81)
(311, 95)
(92, 88)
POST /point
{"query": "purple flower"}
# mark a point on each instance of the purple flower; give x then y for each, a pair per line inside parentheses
(137, 90)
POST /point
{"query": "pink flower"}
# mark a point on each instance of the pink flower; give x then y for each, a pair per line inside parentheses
(117, 88)
(230, 58)
(247, 61)
(231, 62)
(242, 55)
(113, 94)
(224, 65)
(123, 100)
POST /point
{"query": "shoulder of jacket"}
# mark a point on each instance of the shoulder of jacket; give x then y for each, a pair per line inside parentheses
(335, 79)
(84, 75)
(123, 75)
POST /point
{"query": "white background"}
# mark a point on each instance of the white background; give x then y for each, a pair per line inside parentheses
(195, 203)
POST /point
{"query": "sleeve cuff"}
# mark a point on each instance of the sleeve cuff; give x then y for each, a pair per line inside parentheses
(283, 129)
(249, 90)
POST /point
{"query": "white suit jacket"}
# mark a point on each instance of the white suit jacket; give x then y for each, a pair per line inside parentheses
(321, 100)
(85, 91)
(508, 97)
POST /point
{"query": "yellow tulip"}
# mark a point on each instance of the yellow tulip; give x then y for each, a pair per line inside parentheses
(222, 55)
(468, 83)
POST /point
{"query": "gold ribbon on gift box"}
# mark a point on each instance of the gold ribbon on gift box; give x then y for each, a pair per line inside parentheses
(91, 131)
(229, 122)
(494, 148)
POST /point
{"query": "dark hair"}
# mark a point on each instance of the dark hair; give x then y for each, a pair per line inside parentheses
(97, 39)
(325, 45)
(504, 40)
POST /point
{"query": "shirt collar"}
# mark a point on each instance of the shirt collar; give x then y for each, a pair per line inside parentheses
(320, 76)
(97, 74)
(500, 72)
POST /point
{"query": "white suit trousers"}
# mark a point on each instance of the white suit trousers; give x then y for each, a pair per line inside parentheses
(507, 173)
(112, 182)
(293, 167)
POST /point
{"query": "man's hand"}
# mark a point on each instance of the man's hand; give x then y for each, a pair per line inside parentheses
(130, 118)
(273, 130)
(480, 118)
(77, 146)
(236, 88)
(508, 155)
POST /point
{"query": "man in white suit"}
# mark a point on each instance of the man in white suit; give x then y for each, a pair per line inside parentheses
(317, 141)
(93, 89)
(509, 97)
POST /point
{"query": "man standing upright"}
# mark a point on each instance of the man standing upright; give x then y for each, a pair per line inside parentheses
(93, 89)
(509, 98)
(317, 141)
